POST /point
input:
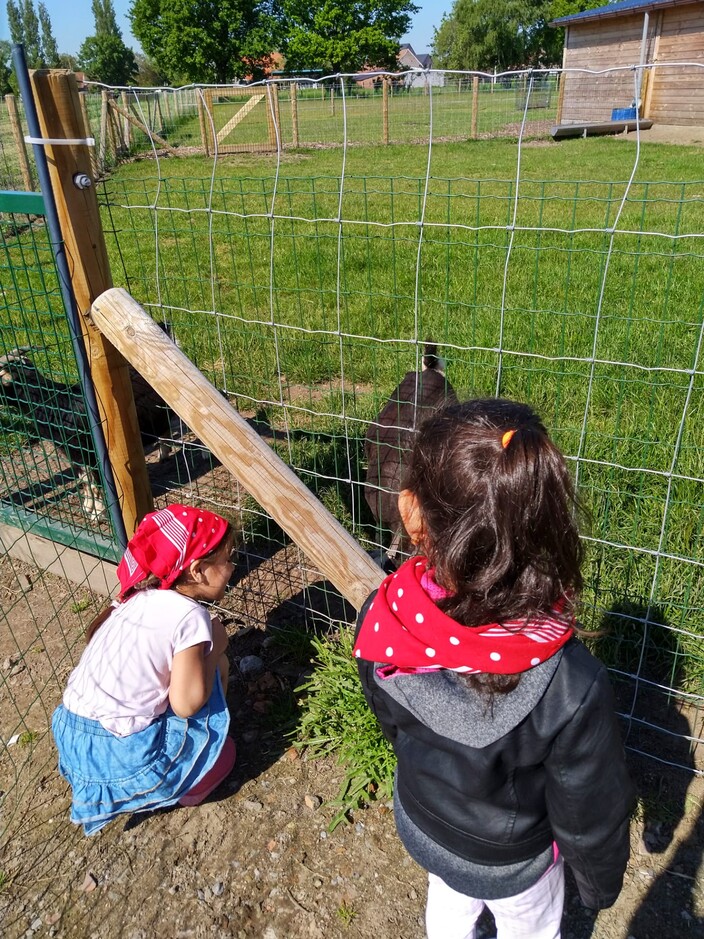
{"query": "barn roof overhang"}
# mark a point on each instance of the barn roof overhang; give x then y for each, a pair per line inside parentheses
(623, 8)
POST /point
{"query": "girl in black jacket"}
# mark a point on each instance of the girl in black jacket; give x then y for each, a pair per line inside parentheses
(510, 759)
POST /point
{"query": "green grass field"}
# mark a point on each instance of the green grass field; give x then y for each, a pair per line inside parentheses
(302, 287)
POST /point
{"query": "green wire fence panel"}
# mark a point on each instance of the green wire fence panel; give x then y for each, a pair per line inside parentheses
(51, 501)
(50, 481)
(17, 170)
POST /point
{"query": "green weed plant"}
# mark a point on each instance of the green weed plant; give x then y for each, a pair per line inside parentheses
(335, 720)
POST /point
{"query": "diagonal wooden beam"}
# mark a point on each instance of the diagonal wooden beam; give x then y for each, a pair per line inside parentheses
(239, 448)
(142, 127)
(240, 116)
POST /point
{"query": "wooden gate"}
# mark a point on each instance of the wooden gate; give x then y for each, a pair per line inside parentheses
(242, 120)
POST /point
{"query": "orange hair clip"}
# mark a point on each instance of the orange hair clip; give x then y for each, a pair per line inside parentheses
(506, 439)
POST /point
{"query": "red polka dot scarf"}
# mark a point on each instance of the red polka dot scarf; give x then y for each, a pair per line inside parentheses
(404, 627)
(166, 542)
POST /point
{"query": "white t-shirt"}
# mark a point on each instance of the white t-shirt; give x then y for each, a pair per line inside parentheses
(124, 674)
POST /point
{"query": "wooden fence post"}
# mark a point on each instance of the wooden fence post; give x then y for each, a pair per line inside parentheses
(158, 111)
(21, 146)
(560, 96)
(126, 126)
(238, 447)
(167, 106)
(277, 115)
(271, 115)
(102, 152)
(204, 126)
(475, 105)
(58, 106)
(385, 109)
(294, 113)
(116, 138)
(89, 133)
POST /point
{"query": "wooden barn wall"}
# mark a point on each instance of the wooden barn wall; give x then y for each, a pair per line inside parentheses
(677, 95)
(600, 45)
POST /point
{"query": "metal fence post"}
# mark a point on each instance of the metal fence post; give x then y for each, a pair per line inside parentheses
(74, 222)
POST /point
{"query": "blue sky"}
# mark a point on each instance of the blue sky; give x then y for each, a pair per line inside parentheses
(73, 21)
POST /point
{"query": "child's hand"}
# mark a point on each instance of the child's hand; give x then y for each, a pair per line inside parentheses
(220, 638)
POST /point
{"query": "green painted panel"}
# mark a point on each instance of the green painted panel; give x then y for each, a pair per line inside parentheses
(22, 203)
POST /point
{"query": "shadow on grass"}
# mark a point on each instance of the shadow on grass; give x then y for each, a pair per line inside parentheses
(647, 667)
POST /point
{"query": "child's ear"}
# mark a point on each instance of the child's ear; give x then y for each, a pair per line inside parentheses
(195, 570)
(411, 517)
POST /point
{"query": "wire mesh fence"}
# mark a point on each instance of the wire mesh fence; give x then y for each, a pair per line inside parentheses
(17, 171)
(51, 482)
(292, 113)
(362, 109)
(305, 279)
(306, 293)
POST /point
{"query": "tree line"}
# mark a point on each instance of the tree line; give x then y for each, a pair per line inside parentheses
(504, 34)
(201, 41)
(102, 56)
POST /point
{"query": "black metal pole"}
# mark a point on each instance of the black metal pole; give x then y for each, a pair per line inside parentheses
(72, 314)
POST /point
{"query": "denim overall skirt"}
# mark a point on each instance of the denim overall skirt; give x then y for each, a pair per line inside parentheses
(150, 769)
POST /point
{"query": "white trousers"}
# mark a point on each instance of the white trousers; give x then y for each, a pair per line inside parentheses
(534, 914)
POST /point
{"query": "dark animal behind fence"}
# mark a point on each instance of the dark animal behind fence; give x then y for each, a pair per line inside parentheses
(390, 437)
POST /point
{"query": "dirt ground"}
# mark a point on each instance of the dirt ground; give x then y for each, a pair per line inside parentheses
(674, 134)
(258, 860)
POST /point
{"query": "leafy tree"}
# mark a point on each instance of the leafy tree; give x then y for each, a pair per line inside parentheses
(204, 40)
(6, 74)
(483, 34)
(24, 28)
(105, 20)
(148, 73)
(66, 60)
(340, 36)
(105, 57)
(33, 29)
(50, 51)
(14, 21)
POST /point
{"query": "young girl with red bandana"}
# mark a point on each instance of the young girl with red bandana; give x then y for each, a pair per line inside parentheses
(143, 723)
(509, 755)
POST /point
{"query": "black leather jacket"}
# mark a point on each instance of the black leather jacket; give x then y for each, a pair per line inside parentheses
(559, 774)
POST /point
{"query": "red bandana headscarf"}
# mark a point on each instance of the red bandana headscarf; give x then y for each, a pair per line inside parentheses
(166, 542)
(405, 628)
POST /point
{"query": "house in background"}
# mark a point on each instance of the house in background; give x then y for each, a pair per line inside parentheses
(407, 59)
(634, 32)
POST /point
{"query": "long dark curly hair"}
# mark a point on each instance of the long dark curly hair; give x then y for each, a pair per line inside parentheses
(500, 515)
